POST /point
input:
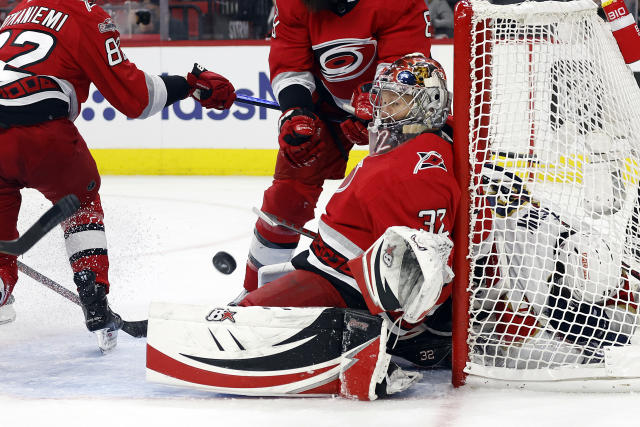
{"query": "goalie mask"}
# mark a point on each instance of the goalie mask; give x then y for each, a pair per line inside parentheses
(409, 97)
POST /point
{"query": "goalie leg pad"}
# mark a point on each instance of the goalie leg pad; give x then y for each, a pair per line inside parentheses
(364, 366)
(267, 351)
(269, 273)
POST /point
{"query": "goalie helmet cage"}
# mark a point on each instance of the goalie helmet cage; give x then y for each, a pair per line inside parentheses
(545, 102)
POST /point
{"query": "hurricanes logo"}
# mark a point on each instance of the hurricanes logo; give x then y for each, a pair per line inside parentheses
(345, 59)
(432, 159)
(220, 315)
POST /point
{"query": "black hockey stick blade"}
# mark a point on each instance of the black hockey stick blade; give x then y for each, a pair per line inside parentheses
(137, 329)
(62, 210)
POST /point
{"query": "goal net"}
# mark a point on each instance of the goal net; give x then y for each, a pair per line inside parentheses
(547, 145)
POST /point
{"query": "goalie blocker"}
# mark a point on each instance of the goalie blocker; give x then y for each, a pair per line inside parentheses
(272, 351)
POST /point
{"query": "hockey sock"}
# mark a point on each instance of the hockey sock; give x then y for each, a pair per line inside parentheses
(625, 30)
(292, 201)
(86, 241)
(270, 245)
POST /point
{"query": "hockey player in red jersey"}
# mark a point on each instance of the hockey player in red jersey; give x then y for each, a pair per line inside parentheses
(324, 55)
(383, 249)
(50, 51)
(407, 180)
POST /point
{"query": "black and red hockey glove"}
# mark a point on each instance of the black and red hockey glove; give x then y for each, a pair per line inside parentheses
(301, 136)
(355, 129)
(210, 89)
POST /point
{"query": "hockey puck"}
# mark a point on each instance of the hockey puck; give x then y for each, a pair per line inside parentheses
(224, 263)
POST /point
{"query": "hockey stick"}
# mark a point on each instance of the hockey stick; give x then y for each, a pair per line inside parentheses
(137, 329)
(62, 210)
(275, 221)
(244, 99)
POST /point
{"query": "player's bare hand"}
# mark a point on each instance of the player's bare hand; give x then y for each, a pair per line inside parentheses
(211, 89)
(301, 141)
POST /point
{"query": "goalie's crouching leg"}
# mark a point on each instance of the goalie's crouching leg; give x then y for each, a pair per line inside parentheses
(272, 351)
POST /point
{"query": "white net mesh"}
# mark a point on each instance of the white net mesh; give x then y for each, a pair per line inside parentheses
(554, 148)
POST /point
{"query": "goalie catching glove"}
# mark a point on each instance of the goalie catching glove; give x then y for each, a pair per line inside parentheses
(404, 271)
(210, 89)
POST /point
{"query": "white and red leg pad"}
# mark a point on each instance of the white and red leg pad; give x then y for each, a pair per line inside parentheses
(267, 351)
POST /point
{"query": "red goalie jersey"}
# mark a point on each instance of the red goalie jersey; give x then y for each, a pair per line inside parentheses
(345, 52)
(412, 185)
(77, 43)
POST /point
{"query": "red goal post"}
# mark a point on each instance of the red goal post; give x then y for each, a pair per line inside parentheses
(547, 151)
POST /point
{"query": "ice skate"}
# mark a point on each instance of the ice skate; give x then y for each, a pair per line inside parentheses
(7, 312)
(98, 315)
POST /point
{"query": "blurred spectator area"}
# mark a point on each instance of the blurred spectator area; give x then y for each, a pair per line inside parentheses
(5, 7)
(192, 19)
(229, 19)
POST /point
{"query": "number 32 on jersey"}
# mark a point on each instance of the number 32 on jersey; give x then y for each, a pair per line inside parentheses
(433, 218)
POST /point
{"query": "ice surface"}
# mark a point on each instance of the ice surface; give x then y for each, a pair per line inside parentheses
(162, 233)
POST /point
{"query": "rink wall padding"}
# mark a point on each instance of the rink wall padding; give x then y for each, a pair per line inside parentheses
(185, 139)
(149, 161)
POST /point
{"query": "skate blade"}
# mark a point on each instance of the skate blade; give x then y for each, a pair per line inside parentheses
(5, 320)
(7, 313)
(107, 339)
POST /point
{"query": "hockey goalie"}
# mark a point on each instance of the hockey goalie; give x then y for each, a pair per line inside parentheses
(370, 283)
(549, 291)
